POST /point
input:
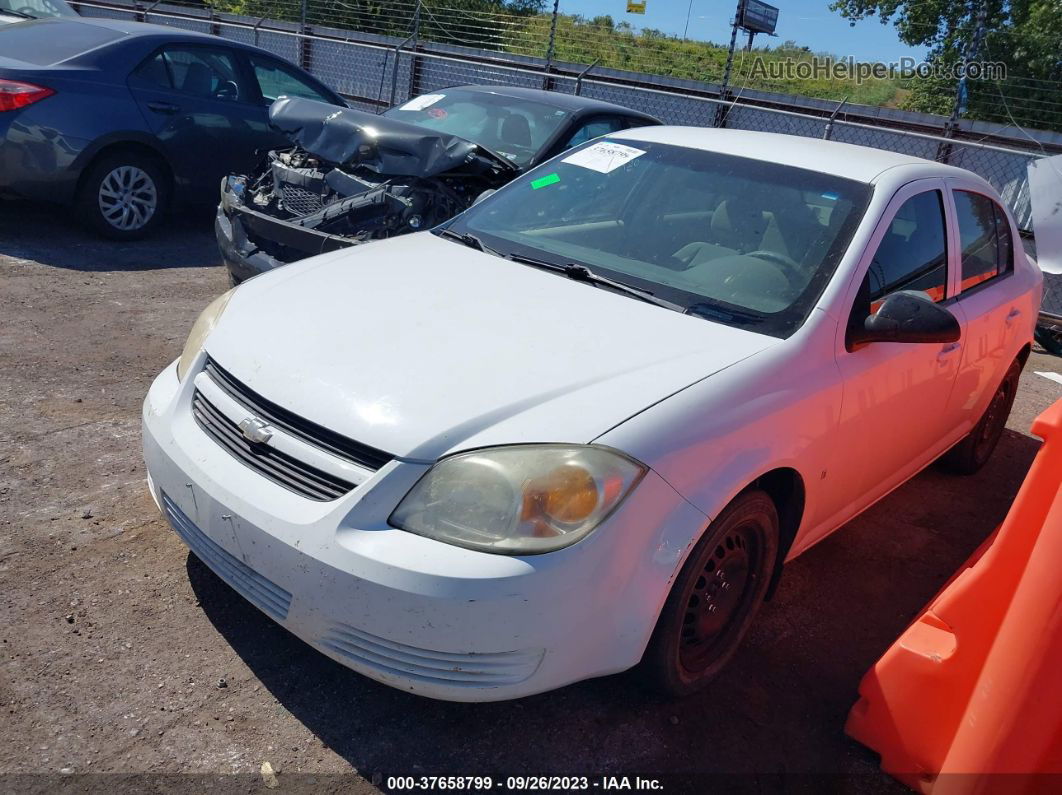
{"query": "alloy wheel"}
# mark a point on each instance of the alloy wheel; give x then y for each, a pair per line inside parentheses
(128, 198)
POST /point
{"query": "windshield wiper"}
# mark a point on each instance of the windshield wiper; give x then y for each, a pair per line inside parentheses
(718, 313)
(14, 13)
(581, 273)
(468, 239)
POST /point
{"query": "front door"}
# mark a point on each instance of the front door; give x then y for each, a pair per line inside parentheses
(209, 120)
(894, 415)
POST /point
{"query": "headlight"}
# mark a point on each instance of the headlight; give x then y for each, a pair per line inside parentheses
(520, 500)
(232, 190)
(204, 324)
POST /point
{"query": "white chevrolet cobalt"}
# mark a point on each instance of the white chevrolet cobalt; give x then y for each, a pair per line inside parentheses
(583, 425)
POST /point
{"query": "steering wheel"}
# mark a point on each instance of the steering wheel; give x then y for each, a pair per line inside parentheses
(787, 265)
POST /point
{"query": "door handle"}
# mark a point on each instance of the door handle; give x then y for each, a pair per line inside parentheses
(163, 107)
(947, 351)
(1013, 315)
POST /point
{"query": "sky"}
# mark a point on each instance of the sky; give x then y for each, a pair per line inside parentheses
(810, 23)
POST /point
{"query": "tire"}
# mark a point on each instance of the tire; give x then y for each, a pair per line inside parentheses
(973, 452)
(123, 195)
(1050, 340)
(715, 597)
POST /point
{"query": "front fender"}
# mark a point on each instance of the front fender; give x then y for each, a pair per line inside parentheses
(776, 409)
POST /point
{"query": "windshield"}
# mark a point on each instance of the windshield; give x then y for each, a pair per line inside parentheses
(38, 8)
(514, 128)
(731, 239)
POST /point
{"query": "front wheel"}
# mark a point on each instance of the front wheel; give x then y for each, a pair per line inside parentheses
(123, 195)
(716, 595)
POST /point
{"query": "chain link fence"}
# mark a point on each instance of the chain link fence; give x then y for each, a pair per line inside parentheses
(375, 66)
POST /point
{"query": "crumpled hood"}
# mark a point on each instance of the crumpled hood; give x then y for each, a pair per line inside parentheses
(421, 346)
(384, 145)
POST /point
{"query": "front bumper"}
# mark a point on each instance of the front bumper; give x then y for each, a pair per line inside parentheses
(420, 615)
(246, 236)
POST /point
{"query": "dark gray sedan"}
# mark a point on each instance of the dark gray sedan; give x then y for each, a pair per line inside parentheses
(348, 177)
(123, 118)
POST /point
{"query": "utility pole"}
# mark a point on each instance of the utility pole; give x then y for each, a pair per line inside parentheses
(686, 29)
(962, 95)
(551, 47)
(970, 55)
(730, 53)
(724, 91)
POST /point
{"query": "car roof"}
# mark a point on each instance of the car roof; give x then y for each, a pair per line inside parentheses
(860, 163)
(558, 99)
(132, 28)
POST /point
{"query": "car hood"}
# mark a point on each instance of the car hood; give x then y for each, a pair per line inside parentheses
(344, 136)
(421, 346)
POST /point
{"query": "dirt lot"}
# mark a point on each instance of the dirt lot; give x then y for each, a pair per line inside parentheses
(121, 653)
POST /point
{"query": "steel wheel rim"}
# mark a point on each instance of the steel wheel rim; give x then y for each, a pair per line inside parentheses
(721, 595)
(128, 198)
(995, 418)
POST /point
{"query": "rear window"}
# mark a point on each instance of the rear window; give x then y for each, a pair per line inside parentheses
(47, 42)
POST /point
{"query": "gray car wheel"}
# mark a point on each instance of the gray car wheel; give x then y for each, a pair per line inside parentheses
(123, 195)
(128, 198)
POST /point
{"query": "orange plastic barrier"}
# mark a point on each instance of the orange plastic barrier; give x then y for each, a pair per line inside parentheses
(969, 698)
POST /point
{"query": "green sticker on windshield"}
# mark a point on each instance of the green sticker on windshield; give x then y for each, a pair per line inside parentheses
(549, 179)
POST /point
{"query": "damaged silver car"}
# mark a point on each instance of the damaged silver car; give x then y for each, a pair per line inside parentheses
(351, 176)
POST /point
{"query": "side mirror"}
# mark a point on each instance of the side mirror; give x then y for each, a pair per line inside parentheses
(906, 316)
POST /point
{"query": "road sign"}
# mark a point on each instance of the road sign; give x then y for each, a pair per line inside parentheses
(634, 7)
(757, 17)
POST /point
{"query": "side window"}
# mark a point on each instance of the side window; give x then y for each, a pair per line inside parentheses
(276, 80)
(595, 128)
(984, 234)
(913, 253)
(203, 72)
(152, 73)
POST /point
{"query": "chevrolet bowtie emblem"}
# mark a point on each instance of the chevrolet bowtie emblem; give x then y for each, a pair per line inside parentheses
(255, 430)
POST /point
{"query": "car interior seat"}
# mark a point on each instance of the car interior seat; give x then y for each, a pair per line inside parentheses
(516, 130)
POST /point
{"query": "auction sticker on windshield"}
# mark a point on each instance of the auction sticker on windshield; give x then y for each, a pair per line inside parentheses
(604, 156)
(420, 103)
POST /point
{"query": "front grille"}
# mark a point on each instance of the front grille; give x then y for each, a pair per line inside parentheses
(260, 591)
(269, 462)
(450, 668)
(299, 201)
(310, 432)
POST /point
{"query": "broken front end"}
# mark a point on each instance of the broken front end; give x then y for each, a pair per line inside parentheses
(350, 177)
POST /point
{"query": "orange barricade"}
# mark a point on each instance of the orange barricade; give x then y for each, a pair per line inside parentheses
(969, 698)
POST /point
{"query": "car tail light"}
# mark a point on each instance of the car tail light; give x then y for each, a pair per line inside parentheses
(15, 94)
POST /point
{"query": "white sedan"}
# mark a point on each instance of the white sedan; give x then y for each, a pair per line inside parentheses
(583, 425)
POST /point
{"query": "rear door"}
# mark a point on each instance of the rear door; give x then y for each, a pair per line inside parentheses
(991, 297)
(205, 111)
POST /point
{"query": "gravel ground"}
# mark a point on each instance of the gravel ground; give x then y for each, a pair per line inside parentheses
(120, 653)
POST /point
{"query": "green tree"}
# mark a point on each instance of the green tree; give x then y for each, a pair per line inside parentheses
(1023, 35)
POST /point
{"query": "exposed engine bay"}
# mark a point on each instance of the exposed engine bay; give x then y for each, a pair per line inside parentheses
(366, 177)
